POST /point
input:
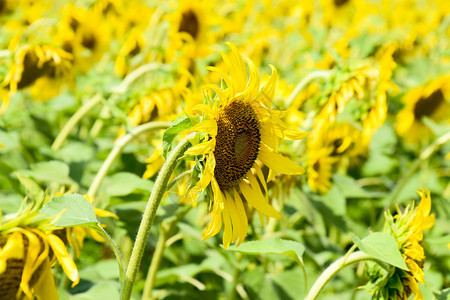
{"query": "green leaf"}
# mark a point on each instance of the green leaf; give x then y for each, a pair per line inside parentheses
(77, 211)
(124, 183)
(381, 246)
(102, 290)
(179, 125)
(272, 246)
(52, 171)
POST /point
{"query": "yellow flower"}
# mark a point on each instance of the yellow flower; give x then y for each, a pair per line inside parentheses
(35, 61)
(432, 101)
(338, 148)
(84, 34)
(242, 136)
(28, 249)
(320, 169)
(407, 228)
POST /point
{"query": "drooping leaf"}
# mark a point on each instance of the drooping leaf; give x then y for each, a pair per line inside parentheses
(272, 246)
(77, 210)
(381, 246)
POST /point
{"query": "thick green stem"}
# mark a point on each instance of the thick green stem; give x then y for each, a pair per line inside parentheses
(117, 150)
(425, 155)
(333, 269)
(149, 215)
(304, 82)
(80, 113)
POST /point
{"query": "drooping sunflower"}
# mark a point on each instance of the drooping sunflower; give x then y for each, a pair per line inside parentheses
(407, 228)
(29, 246)
(242, 133)
(432, 101)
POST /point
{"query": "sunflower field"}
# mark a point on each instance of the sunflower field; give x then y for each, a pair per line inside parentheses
(269, 149)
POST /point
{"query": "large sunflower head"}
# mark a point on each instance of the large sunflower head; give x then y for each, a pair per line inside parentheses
(240, 135)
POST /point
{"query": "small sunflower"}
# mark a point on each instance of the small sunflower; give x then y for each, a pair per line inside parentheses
(407, 228)
(242, 134)
(338, 149)
(432, 101)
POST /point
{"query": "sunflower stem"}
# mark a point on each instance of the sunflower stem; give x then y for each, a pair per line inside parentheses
(334, 268)
(304, 82)
(149, 215)
(119, 144)
(76, 117)
(425, 155)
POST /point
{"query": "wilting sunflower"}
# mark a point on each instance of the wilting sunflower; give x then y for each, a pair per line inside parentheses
(431, 101)
(28, 249)
(407, 228)
(36, 61)
(242, 134)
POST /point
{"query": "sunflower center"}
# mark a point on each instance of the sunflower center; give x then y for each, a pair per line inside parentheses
(425, 107)
(237, 143)
(189, 24)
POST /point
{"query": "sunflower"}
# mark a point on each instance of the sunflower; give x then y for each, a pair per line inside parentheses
(84, 34)
(431, 101)
(36, 61)
(242, 134)
(407, 228)
(338, 149)
(29, 247)
(191, 35)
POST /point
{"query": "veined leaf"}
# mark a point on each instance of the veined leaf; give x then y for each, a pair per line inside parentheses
(78, 211)
(381, 246)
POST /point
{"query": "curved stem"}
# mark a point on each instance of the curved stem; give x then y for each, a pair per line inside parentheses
(149, 215)
(80, 113)
(117, 149)
(304, 82)
(335, 268)
(426, 154)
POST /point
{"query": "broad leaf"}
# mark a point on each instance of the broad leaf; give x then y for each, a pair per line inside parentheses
(381, 246)
(52, 171)
(77, 210)
(273, 246)
(121, 184)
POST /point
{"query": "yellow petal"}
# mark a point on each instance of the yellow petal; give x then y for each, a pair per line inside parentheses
(64, 258)
(44, 288)
(236, 68)
(12, 249)
(104, 213)
(256, 199)
(278, 162)
(212, 114)
(222, 97)
(34, 247)
(225, 77)
(235, 220)
(202, 148)
(242, 215)
(227, 224)
(265, 96)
